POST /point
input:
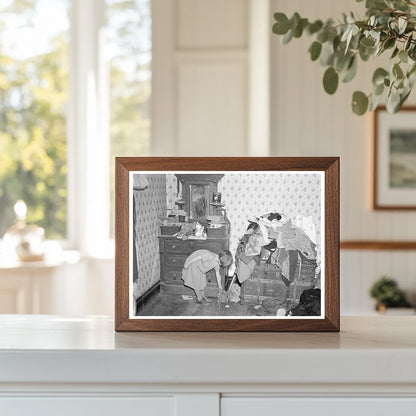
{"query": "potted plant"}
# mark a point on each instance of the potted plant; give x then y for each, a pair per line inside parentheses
(387, 294)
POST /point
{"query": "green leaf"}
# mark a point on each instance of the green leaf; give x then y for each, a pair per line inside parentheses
(379, 75)
(376, 4)
(298, 30)
(322, 36)
(366, 53)
(402, 24)
(374, 101)
(288, 37)
(412, 52)
(389, 43)
(315, 50)
(314, 27)
(408, 42)
(367, 42)
(403, 56)
(294, 20)
(395, 52)
(397, 71)
(281, 27)
(351, 71)
(327, 53)
(359, 103)
(378, 89)
(341, 61)
(330, 80)
(404, 96)
(393, 101)
(400, 5)
(411, 76)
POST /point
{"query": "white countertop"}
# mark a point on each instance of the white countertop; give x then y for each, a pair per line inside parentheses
(52, 349)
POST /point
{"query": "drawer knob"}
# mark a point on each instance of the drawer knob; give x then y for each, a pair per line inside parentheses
(173, 246)
(173, 260)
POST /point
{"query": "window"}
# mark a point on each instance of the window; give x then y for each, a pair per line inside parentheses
(129, 45)
(74, 93)
(33, 102)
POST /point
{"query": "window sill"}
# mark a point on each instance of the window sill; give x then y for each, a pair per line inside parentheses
(64, 257)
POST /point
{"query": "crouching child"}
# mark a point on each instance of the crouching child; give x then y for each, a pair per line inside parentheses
(198, 264)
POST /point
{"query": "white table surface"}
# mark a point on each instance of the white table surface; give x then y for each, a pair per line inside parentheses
(52, 349)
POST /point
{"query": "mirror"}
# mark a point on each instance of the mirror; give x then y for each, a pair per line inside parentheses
(198, 190)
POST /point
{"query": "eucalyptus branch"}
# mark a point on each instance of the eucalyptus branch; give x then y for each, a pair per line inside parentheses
(389, 25)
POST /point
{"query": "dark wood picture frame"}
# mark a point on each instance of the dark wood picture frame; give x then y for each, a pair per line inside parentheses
(377, 206)
(328, 165)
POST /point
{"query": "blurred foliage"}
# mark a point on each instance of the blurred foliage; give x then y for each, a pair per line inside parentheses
(389, 27)
(129, 37)
(33, 106)
(387, 292)
(33, 97)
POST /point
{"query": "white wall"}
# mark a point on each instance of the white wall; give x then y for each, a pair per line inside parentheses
(202, 82)
(308, 122)
(208, 72)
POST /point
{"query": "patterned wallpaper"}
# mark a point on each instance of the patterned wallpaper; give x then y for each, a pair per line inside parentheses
(171, 190)
(254, 194)
(150, 205)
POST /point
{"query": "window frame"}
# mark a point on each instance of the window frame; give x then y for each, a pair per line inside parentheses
(87, 133)
(87, 128)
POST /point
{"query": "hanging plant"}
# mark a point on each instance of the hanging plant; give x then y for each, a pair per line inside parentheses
(388, 27)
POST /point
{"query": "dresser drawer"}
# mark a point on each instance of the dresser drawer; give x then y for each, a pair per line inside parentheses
(175, 261)
(188, 246)
(214, 246)
(176, 246)
(173, 277)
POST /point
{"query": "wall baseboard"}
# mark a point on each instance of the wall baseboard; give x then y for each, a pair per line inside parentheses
(150, 293)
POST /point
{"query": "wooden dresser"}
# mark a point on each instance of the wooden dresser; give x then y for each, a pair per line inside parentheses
(173, 253)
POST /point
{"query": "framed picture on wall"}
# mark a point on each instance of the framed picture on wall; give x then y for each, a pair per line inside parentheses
(227, 244)
(394, 179)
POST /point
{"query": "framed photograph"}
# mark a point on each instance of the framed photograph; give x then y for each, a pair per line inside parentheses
(227, 244)
(395, 159)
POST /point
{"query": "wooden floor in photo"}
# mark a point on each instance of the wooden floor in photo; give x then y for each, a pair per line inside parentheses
(174, 305)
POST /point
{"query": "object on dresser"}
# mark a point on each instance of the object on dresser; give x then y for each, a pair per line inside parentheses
(172, 222)
(25, 241)
(177, 215)
(170, 229)
(216, 197)
(219, 224)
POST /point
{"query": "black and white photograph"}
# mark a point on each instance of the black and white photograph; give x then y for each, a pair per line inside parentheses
(227, 244)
